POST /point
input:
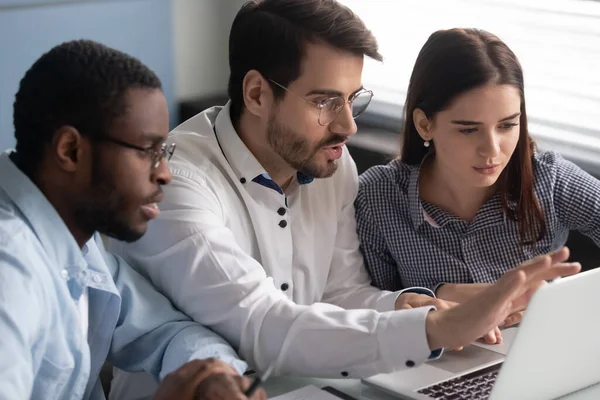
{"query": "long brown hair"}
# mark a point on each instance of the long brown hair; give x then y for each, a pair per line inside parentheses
(455, 61)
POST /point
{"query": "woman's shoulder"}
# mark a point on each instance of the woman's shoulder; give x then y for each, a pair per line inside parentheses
(383, 189)
(394, 174)
(547, 159)
(548, 166)
(552, 171)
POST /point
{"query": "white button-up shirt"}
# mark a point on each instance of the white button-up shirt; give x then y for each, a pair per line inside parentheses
(281, 278)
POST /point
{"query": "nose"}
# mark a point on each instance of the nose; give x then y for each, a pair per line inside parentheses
(344, 123)
(162, 174)
(489, 146)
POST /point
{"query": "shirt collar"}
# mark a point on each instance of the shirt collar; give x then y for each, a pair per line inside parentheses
(492, 210)
(304, 179)
(245, 166)
(44, 220)
(438, 218)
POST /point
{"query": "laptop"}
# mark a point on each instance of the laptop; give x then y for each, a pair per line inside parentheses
(554, 352)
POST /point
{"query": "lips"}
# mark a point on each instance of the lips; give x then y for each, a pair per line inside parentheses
(334, 152)
(150, 209)
(337, 143)
(487, 169)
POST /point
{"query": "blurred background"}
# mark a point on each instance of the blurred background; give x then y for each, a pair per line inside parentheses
(185, 43)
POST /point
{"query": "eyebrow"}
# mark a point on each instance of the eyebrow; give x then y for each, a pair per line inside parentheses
(332, 92)
(468, 123)
(154, 138)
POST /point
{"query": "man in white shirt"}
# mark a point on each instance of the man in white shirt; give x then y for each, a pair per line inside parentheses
(257, 237)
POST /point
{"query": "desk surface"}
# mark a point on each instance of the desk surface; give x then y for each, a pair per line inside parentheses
(356, 389)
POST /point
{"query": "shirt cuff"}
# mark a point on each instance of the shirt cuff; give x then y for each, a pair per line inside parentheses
(240, 366)
(435, 354)
(173, 360)
(389, 304)
(403, 339)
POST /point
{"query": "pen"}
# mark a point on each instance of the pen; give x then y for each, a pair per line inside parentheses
(258, 381)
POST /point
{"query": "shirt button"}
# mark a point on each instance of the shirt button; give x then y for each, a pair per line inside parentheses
(64, 274)
(281, 211)
(345, 374)
(285, 286)
(410, 363)
(283, 223)
(243, 180)
(97, 278)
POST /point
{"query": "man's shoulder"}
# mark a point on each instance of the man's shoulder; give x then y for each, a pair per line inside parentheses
(198, 128)
(13, 227)
(19, 244)
(195, 136)
(202, 121)
(198, 157)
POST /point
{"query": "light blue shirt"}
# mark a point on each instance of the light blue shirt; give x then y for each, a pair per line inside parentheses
(43, 272)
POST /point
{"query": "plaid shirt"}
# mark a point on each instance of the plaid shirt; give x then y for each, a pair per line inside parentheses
(409, 242)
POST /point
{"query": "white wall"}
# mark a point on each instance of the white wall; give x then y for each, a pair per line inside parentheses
(201, 35)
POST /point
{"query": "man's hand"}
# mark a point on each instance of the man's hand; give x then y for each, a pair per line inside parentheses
(205, 379)
(461, 325)
(460, 293)
(224, 386)
(413, 300)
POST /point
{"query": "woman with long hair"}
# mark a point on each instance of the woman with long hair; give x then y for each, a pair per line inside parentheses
(470, 197)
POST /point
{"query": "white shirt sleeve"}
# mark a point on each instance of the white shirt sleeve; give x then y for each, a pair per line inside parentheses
(349, 284)
(190, 254)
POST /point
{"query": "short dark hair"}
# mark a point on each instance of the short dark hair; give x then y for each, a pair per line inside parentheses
(270, 36)
(455, 61)
(79, 83)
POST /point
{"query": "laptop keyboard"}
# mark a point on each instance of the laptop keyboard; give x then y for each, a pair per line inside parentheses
(476, 386)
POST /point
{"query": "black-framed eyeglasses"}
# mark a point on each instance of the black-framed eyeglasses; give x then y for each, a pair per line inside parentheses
(156, 156)
(331, 107)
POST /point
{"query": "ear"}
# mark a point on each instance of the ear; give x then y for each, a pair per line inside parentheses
(257, 93)
(67, 148)
(422, 124)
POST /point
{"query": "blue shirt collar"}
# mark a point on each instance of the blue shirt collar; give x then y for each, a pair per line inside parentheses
(304, 179)
(46, 223)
